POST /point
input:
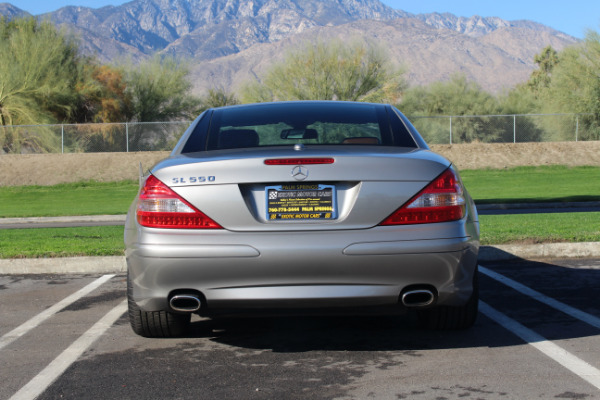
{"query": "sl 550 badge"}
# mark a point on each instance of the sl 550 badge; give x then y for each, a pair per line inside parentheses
(193, 179)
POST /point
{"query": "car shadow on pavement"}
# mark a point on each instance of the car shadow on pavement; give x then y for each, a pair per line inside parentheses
(378, 333)
(571, 282)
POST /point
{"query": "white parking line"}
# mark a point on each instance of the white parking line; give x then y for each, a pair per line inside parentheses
(558, 354)
(47, 313)
(573, 312)
(57, 367)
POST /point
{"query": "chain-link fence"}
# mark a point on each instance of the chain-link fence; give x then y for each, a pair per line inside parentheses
(156, 136)
(507, 128)
(91, 138)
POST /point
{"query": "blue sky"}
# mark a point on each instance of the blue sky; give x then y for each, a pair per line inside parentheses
(573, 17)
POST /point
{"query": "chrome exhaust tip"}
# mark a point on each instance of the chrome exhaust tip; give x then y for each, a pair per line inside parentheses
(186, 303)
(417, 298)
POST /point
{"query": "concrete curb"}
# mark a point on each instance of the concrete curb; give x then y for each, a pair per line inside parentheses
(63, 265)
(535, 251)
(56, 220)
(117, 264)
(529, 206)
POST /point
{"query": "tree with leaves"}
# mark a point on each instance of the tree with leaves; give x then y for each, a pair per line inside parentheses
(38, 72)
(476, 111)
(104, 95)
(218, 98)
(103, 100)
(331, 70)
(456, 96)
(541, 77)
(159, 90)
(575, 85)
(38, 76)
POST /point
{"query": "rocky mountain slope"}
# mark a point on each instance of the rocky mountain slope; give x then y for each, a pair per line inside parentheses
(9, 11)
(230, 41)
(497, 61)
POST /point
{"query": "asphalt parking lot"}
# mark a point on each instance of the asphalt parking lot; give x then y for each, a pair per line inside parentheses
(537, 336)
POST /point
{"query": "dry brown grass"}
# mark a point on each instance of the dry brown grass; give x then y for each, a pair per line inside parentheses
(507, 155)
(50, 169)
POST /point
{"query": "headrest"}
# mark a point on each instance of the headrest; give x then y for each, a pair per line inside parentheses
(238, 138)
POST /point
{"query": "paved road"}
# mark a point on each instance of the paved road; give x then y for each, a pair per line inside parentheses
(107, 220)
(62, 222)
(538, 208)
(58, 342)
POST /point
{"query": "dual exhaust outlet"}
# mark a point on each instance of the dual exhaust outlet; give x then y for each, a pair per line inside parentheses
(185, 303)
(190, 303)
(417, 298)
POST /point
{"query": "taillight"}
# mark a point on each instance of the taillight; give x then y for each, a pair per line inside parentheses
(442, 200)
(160, 207)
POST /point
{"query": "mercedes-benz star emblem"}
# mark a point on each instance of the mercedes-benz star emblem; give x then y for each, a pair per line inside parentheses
(300, 173)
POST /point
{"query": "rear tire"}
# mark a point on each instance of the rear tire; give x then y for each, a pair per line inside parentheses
(453, 318)
(155, 324)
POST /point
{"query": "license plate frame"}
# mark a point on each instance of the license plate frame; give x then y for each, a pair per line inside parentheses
(301, 202)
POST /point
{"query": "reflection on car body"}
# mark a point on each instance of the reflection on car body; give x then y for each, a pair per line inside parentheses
(313, 207)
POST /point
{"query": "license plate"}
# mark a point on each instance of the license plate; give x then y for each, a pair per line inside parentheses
(301, 202)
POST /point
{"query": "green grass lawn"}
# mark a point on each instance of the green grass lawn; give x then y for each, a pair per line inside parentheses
(523, 184)
(540, 228)
(108, 240)
(62, 242)
(533, 184)
(83, 198)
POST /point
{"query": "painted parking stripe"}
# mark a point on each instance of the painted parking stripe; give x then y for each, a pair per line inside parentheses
(47, 313)
(573, 312)
(558, 354)
(58, 366)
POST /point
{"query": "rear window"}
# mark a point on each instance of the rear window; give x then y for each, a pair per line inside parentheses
(309, 123)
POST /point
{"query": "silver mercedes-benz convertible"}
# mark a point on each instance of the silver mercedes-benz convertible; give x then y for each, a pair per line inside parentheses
(301, 207)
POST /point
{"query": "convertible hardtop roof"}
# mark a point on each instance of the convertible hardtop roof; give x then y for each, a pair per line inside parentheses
(382, 121)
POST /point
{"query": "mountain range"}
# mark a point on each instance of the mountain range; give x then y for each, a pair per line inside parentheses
(231, 41)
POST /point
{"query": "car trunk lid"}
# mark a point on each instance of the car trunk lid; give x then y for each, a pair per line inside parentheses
(359, 188)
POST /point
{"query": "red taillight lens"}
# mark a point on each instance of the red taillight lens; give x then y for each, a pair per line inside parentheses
(160, 207)
(299, 161)
(442, 200)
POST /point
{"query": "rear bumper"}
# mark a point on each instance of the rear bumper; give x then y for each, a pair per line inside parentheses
(327, 269)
